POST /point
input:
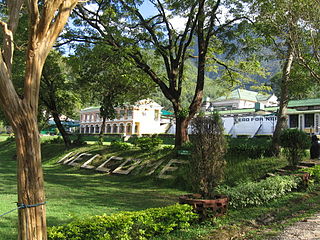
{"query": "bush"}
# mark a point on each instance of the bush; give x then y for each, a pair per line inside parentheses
(126, 225)
(314, 172)
(119, 145)
(295, 143)
(148, 143)
(79, 140)
(56, 140)
(250, 147)
(207, 163)
(257, 193)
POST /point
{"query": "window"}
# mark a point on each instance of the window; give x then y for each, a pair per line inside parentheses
(108, 128)
(130, 113)
(121, 128)
(97, 129)
(129, 128)
(114, 128)
(156, 115)
(293, 121)
(122, 112)
(308, 120)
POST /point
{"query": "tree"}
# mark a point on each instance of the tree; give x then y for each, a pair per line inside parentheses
(57, 91)
(121, 25)
(279, 21)
(46, 21)
(107, 77)
(307, 38)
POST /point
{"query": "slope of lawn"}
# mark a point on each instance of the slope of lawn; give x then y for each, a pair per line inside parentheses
(72, 193)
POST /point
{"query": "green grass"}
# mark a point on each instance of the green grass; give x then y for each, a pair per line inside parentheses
(3, 138)
(73, 193)
(242, 224)
(240, 168)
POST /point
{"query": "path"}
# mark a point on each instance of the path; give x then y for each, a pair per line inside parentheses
(308, 229)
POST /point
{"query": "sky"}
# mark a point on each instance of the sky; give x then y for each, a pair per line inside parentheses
(147, 9)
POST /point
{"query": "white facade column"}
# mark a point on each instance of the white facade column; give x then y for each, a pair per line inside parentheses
(301, 122)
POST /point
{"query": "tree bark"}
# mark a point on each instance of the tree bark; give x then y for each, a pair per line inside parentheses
(181, 135)
(44, 28)
(103, 125)
(64, 134)
(32, 220)
(284, 99)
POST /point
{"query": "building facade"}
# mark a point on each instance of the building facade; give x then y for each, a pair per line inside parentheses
(240, 99)
(143, 117)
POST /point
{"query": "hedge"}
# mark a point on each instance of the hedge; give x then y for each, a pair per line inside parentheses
(126, 225)
(257, 193)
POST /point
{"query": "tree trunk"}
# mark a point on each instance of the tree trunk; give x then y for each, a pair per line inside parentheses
(32, 220)
(64, 134)
(284, 99)
(181, 135)
(103, 125)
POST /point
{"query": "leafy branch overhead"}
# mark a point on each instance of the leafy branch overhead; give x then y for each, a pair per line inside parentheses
(147, 40)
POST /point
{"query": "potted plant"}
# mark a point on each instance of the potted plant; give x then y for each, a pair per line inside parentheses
(207, 165)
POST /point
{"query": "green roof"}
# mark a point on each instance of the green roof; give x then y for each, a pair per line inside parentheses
(304, 102)
(244, 95)
(246, 110)
(273, 110)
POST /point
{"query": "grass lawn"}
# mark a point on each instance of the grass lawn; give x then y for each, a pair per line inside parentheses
(73, 194)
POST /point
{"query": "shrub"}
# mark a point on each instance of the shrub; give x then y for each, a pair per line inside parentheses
(56, 140)
(126, 225)
(257, 193)
(314, 172)
(250, 147)
(79, 140)
(148, 143)
(207, 163)
(295, 143)
(119, 145)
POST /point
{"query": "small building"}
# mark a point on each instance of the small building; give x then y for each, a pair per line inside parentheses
(240, 99)
(143, 117)
(304, 114)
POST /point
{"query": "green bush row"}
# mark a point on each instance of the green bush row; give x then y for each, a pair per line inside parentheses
(126, 225)
(257, 193)
(147, 143)
(314, 172)
(250, 147)
(119, 145)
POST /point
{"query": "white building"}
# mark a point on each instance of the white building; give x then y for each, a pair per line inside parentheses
(143, 117)
(240, 99)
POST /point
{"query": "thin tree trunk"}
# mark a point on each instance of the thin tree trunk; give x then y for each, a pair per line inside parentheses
(284, 99)
(32, 220)
(62, 131)
(103, 125)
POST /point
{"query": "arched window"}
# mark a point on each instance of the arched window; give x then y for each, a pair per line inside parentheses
(114, 128)
(129, 128)
(97, 129)
(121, 128)
(91, 129)
(87, 129)
(108, 128)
